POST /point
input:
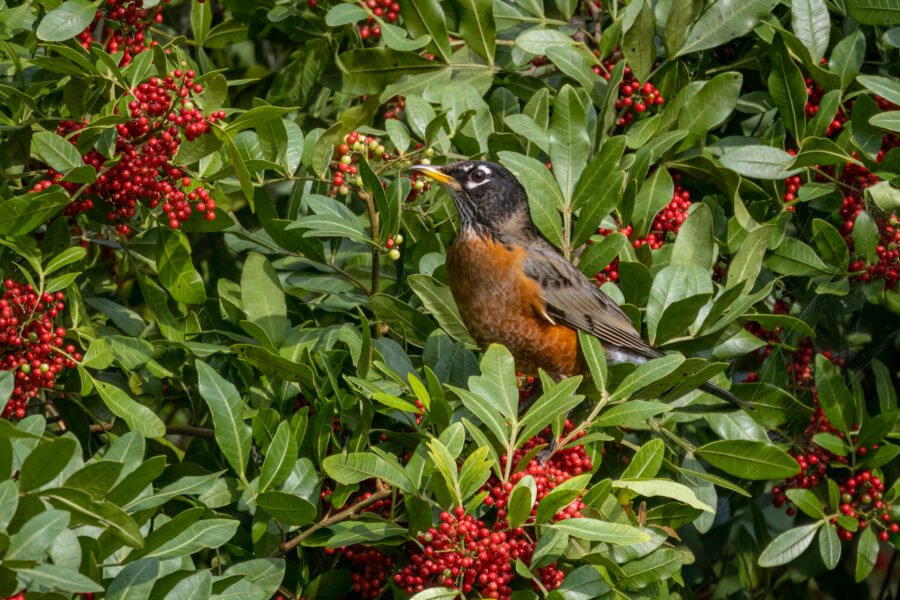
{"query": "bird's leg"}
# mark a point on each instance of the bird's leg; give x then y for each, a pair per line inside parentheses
(536, 388)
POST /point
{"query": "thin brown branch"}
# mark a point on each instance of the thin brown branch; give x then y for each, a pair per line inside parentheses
(376, 252)
(382, 492)
(187, 430)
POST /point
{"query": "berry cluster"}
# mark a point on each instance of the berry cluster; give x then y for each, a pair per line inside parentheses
(548, 474)
(122, 25)
(856, 178)
(393, 108)
(463, 553)
(665, 227)
(371, 569)
(160, 114)
(346, 172)
(634, 97)
(388, 10)
(861, 491)
(31, 342)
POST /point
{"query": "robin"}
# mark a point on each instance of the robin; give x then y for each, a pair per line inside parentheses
(512, 287)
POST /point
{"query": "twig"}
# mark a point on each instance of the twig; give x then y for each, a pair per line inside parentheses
(382, 492)
(373, 221)
(188, 430)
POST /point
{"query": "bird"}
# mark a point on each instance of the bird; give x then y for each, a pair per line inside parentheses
(514, 288)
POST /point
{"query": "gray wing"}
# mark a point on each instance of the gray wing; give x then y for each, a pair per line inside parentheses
(571, 298)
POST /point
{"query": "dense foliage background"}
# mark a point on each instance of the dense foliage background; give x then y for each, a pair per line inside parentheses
(232, 367)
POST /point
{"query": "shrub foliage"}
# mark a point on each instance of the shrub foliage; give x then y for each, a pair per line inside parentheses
(231, 365)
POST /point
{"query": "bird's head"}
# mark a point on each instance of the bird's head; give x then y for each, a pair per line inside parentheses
(486, 194)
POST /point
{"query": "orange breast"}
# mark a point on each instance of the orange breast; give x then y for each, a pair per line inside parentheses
(500, 304)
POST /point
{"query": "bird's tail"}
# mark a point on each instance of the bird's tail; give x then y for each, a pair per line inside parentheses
(724, 394)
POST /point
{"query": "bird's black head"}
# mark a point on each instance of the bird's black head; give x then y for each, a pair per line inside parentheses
(486, 194)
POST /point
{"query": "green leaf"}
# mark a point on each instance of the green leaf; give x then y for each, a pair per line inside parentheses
(496, 385)
(176, 270)
(595, 357)
(34, 538)
(760, 162)
(646, 462)
(560, 497)
(866, 554)
(646, 374)
(226, 406)
(630, 413)
(538, 41)
(653, 196)
(201, 19)
(24, 214)
(58, 152)
(712, 104)
(402, 318)
(476, 24)
(138, 416)
(600, 531)
(46, 462)
(887, 120)
(789, 545)
(830, 244)
(345, 13)
(521, 501)
(101, 514)
(576, 62)
(280, 458)
(638, 45)
(807, 502)
(749, 459)
(747, 262)
(677, 295)
(793, 257)
(817, 151)
(833, 394)
(196, 586)
(556, 400)
(355, 467)
(263, 297)
(66, 20)
(438, 300)
(287, 508)
(256, 116)
(694, 244)
(847, 57)
(887, 88)
(829, 546)
(788, 89)
(874, 12)
(544, 195)
(665, 488)
(725, 20)
(135, 581)
(811, 25)
(64, 579)
(569, 142)
(596, 195)
(426, 17)
(205, 533)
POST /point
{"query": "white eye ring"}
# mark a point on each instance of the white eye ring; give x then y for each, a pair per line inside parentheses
(478, 176)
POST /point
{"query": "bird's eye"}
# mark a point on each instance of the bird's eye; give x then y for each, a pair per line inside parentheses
(478, 175)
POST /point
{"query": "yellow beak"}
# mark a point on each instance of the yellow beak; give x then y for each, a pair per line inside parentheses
(438, 175)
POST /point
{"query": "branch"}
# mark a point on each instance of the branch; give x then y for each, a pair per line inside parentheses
(376, 252)
(382, 492)
(187, 430)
